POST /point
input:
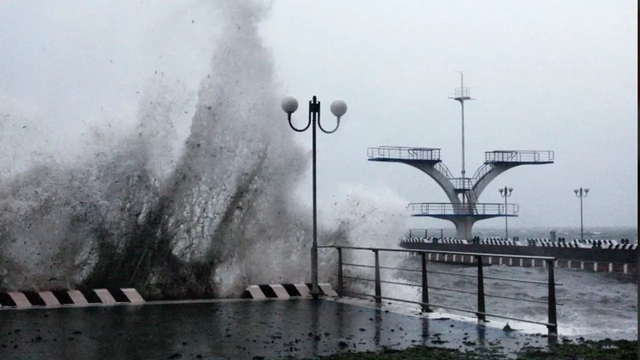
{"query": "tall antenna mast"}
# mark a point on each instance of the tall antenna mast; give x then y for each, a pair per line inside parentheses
(461, 94)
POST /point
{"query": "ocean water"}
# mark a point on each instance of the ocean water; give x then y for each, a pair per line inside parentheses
(594, 305)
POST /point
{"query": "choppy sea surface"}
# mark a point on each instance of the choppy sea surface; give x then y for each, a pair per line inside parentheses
(591, 304)
(594, 305)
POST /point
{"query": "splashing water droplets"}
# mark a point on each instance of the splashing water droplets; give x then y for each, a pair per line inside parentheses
(136, 212)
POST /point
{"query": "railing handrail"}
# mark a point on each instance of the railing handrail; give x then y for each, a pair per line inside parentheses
(448, 203)
(469, 253)
(402, 147)
(450, 273)
(483, 170)
(481, 312)
(519, 156)
(444, 170)
(520, 151)
(442, 208)
(404, 153)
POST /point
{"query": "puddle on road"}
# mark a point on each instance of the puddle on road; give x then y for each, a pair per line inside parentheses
(234, 330)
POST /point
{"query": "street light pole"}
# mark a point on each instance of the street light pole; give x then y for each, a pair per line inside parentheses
(581, 193)
(338, 108)
(506, 193)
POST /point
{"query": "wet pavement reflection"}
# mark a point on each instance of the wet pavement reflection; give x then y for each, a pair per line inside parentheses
(232, 330)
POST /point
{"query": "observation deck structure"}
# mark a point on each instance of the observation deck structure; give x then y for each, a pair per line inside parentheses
(463, 192)
(465, 213)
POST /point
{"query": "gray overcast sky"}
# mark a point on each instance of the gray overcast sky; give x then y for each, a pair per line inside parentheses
(547, 75)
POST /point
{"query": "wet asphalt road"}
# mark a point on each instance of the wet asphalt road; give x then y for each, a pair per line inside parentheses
(231, 330)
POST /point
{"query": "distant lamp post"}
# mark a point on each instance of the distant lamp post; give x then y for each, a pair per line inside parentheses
(506, 193)
(338, 108)
(581, 193)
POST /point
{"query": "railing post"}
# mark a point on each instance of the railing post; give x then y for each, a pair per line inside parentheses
(378, 285)
(481, 308)
(340, 280)
(553, 318)
(425, 284)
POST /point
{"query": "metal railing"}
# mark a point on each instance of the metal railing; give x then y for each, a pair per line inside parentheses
(424, 233)
(480, 312)
(462, 183)
(463, 209)
(404, 153)
(444, 170)
(483, 170)
(519, 156)
(462, 92)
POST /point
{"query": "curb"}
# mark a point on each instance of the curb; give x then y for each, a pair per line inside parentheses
(54, 298)
(285, 291)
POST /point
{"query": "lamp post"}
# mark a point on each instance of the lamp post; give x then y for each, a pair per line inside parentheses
(581, 193)
(338, 108)
(506, 193)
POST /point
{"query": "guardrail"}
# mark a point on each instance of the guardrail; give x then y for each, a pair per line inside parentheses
(519, 156)
(464, 209)
(462, 183)
(444, 170)
(480, 312)
(483, 170)
(423, 232)
(404, 153)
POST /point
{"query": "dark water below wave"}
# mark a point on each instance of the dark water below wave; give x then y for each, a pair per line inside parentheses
(594, 304)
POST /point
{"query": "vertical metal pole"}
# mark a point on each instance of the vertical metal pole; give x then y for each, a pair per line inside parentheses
(481, 308)
(315, 290)
(462, 104)
(506, 218)
(378, 288)
(581, 218)
(425, 284)
(441, 232)
(553, 319)
(340, 279)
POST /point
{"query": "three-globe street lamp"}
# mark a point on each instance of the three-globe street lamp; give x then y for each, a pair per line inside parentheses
(338, 108)
(506, 193)
(581, 193)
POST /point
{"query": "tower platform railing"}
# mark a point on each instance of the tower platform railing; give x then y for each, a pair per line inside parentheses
(444, 170)
(403, 153)
(482, 209)
(462, 183)
(519, 156)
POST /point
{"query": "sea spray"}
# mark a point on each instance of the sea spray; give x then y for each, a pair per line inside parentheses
(133, 206)
(207, 223)
(373, 218)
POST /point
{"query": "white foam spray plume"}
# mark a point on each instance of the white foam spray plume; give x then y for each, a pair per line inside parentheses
(373, 218)
(136, 208)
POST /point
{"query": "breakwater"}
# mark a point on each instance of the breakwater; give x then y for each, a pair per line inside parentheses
(592, 259)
